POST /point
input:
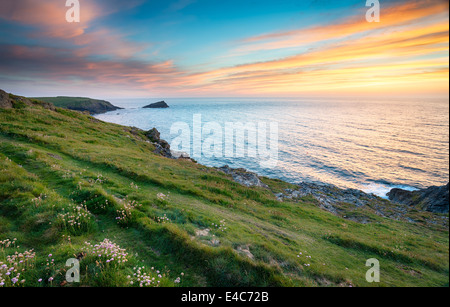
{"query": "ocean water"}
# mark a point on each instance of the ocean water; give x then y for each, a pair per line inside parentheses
(371, 145)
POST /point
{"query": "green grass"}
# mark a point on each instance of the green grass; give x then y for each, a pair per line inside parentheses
(53, 161)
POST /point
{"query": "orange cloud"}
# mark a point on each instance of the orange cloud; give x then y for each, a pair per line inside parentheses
(394, 16)
(409, 47)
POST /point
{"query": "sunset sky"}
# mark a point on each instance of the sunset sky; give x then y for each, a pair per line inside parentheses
(209, 48)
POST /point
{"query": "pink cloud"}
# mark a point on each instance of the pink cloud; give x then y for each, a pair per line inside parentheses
(393, 16)
(48, 19)
(49, 16)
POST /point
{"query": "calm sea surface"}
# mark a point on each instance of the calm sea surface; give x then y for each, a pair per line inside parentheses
(369, 145)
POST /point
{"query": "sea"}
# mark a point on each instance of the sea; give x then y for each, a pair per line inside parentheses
(372, 145)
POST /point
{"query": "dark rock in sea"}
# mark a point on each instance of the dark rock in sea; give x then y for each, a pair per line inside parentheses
(157, 105)
(243, 177)
(432, 199)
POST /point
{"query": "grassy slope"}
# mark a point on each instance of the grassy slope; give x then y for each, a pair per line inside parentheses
(70, 158)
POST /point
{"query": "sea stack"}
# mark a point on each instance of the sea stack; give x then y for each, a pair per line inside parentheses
(157, 105)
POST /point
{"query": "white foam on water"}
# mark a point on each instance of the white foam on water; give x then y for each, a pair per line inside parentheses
(382, 190)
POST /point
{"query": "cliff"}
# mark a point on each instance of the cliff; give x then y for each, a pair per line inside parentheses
(93, 106)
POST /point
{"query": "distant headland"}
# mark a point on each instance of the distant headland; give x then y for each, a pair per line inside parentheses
(82, 104)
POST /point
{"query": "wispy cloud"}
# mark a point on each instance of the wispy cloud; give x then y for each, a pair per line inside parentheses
(393, 17)
(179, 5)
(390, 54)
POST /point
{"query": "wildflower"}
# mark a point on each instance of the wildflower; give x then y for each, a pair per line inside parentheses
(161, 196)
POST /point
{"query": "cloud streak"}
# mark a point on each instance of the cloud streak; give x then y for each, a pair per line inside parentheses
(389, 54)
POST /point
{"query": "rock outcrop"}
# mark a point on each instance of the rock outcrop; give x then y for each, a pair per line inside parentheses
(157, 105)
(180, 155)
(329, 197)
(243, 177)
(153, 135)
(5, 101)
(432, 199)
(8, 101)
(352, 204)
(162, 146)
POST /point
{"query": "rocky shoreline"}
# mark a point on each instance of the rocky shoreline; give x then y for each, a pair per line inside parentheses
(433, 199)
(346, 203)
(351, 203)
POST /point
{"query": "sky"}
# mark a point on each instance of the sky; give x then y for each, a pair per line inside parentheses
(232, 48)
